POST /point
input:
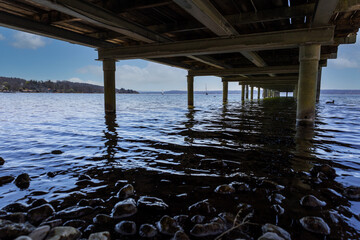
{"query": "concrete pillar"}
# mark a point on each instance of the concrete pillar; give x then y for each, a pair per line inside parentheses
(309, 56)
(247, 91)
(286, 94)
(190, 91)
(318, 85)
(225, 91)
(295, 93)
(243, 92)
(109, 68)
(259, 89)
(252, 93)
(264, 93)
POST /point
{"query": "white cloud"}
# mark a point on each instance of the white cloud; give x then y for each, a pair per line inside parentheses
(344, 63)
(1, 37)
(28, 41)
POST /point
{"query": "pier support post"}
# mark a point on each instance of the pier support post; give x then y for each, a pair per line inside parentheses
(190, 91)
(258, 92)
(252, 93)
(247, 91)
(109, 68)
(295, 93)
(225, 91)
(318, 85)
(309, 56)
(242, 92)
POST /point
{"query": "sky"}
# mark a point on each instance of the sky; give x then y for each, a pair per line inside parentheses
(34, 57)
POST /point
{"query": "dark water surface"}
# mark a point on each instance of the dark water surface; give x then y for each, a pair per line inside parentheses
(163, 149)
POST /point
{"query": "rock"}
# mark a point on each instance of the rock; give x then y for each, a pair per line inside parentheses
(208, 229)
(126, 191)
(74, 212)
(227, 218)
(52, 223)
(225, 189)
(181, 219)
(311, 201)
(198, 219)
(275, 229)
(56, 152)
(24, 238)
(147, 231)
(51, 174)
(2, 161)
(10, 230)
(40, 232)
(16, 217)
(278, 209)
(124, 208)
(276, 198)
(38, 203)
(22, 181)
(6, 179)
(38, 214)
(16, 207)
(315, 225)
(63, 233)
(352, 193)
(152, 203)
(240, 186)
(126, 228)
(89, 229)
(182, 195)
(76, 223)
(272, 185)
(168, 226)
(245, 210)
(91, 202)
(334, 216)
(180, 235)
(103, 219)
(84, 177)
(100, 236)
(202, 207)
(324, 172)
(270, 236)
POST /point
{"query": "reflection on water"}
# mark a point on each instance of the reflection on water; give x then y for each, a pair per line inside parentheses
(181, 156)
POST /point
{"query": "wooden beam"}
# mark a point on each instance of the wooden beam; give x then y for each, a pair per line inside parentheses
(250, 42)
(26, 25)
(246, 71)
(324, 9)
(348, 6)
(260, 79)
(210, 61)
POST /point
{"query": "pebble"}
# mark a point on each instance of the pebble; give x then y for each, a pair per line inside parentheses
(240, 186)
(2, 161)
(198, 219)
(152, 203)
(76, 223)
(52, 223)
(315, 225)
(334, 216)
(38, 203)
(352, 192)
(202, 207)
(208, 229)
(102, 219)
(225, 189)
(40, 232)
(181, 219)
(324, 172)
(74, 212)
(124, 208)
(100, 236)
(10, 230)
(278, 209)
(91, 202)
(18, 217)
(277, 230)
(147, 231)
(168, 226)
(311, 201)
(180, 235)
(64, 233)
(38, 214)
(276, 198)
(126, 228)
(6, 179)
(126, 191)
(22, 181)
(24, 238)
(16, 207)
(270, 236)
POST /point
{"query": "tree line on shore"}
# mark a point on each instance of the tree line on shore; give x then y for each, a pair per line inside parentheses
(9, 84)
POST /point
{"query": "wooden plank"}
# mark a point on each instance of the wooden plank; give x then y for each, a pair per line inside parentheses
(26, 25)
(250, 42)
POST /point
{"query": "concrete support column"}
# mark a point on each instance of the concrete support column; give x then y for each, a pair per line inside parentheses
(190, 91)
(295, 93)
(252, 93)
(318, 85)
(247, 91)
(242, 92)
(109, 68)
(259, 90)
(264, 93)
(309, 56)
(225, 91)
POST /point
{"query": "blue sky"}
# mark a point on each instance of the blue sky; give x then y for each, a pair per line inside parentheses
(33, 57)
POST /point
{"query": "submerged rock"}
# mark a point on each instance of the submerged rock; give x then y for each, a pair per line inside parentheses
(180, 235)
(124, 208)
(22, 181)
(10, 230)
(147, 231)
(100, 236)
(275, 229)
(84, 177)
(6, 179)
(225, 189)
(16, 207)
(38, 214)
(126, 191)
(168, 226)
(2, 161)
(64, 233)
(202, 207)
(74, 212)
(56, 152)
(126, 228)
(152, 203)
(40, 232)
(353, 193)
(311, 201)
(315, 225)
(208, 229)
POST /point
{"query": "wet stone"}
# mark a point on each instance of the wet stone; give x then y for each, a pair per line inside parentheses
(353, 193)
(56, 152)
(22, 181)
(38, 214)
(16, 207)
(74, 212)
(315, 225)
(89, 229)
(276, 229)
(270, 236)
(102, 219)
(334, 216)
(225, 189)
(311, 201)
(24, 238)
(227, 218)
(126, 191)
(84, 177)
(6, 179)
(2, 161)
(16, 217)
(52, 223)
(64, 233)
(198, 219)
(202, 207)
(278, 209)
(10, 230)
(208, 229)
(124, 209)
(272, 185)
(168, 226)
(180, 235)
(324, 172)
(38, 203)
(100, 236)
(126, 228)
(147, 231)
(40, 232)
(181, 219)
(76, 223)
(91, 202)
(276, 198)
(240, 186)
(152, 203)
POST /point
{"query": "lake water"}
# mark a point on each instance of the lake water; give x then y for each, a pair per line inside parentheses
(167, 151)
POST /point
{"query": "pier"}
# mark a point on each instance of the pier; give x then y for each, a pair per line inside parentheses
(277, 46)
